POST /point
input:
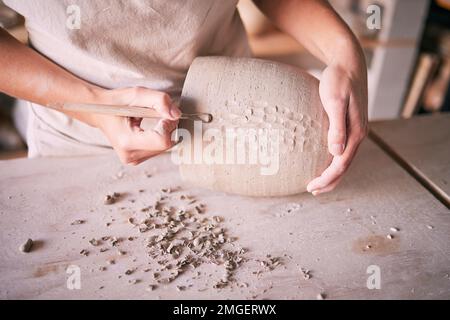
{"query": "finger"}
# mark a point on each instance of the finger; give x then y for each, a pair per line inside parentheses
(337, 117)
(334, 171)
(335, 96)
(328, 188)
(166, 127)
(156, 140)
(141, 157)
(357, 130)
(166, 107)
(337, 168)
(136, 157)
(160, 101)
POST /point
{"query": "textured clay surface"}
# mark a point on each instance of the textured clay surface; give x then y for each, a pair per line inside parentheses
(244, 93)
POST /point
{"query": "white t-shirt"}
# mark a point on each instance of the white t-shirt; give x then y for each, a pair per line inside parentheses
(121, 43)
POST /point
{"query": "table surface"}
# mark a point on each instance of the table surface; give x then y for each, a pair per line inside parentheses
(423, 143)
(327, 235)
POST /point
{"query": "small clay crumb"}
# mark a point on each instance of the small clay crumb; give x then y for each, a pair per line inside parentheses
(368, 246)
(393, 229)
(151, 287)
(77, 222)
(94, 242)
(181, 288)
(112, 261)
(134, 281)
(129, 271)
(390, 236)
(113, 241)
(102, 268)
(321, 296)
(101, 288)
(430, 227)
(199, 209)
(84, 252)
(109, 200)
(26, 247)
(306, 273)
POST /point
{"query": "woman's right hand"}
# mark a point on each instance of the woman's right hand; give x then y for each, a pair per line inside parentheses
(132, 143)
(27, 75)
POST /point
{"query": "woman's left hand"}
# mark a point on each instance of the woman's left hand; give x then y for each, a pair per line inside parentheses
(343, 92)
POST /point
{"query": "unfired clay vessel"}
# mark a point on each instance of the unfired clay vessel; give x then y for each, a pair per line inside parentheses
(253, 93)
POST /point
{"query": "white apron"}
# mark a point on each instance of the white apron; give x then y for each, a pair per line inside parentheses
(121, 43)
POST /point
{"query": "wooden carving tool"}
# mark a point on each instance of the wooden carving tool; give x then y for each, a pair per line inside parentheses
(127, 111)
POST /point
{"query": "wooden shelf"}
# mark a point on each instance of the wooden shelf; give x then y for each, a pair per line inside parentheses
(278, 43)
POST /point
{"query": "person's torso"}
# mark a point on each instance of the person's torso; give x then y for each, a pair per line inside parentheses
(128, 43)
(132, 42)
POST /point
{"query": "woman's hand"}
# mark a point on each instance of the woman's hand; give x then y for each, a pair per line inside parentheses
(343, 92)
(343, 87)
(133, 144)
(30, 76)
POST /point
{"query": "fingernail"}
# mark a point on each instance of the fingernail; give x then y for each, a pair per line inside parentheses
(337, 149)
(315, 193)
(175, 112)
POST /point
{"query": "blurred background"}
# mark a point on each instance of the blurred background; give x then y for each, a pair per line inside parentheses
(408, 57)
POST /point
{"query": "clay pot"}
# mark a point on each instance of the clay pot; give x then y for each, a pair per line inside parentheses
(276, 107)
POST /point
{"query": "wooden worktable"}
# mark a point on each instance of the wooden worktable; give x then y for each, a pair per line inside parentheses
(422, 146)
(327, 235)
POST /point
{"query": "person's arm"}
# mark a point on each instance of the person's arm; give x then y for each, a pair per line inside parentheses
(343, 85)
(27, 75)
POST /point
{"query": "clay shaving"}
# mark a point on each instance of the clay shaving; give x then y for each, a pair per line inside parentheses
(26, 246)
(180, 237)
